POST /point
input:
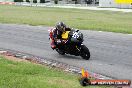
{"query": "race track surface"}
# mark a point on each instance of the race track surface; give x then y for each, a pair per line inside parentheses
(111, 53)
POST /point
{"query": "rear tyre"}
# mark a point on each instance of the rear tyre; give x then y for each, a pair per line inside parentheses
(60, 51)
(85, 54)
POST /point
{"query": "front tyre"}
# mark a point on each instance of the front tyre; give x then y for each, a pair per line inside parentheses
(85, 54)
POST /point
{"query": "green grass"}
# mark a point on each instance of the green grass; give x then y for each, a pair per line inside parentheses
(27, 75)
(81, 19)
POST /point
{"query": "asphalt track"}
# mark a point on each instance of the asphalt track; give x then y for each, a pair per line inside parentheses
(111, 53)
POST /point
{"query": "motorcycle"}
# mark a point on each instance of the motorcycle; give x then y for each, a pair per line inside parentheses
(72, 43)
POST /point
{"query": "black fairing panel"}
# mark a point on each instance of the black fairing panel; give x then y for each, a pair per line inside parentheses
(77, 39)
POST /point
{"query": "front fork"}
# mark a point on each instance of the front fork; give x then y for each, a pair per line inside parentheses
(79, 48)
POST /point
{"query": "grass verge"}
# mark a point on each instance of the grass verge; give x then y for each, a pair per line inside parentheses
(76, 18)
(14, 74)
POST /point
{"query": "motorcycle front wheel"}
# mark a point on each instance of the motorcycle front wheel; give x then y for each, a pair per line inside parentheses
(85, 54)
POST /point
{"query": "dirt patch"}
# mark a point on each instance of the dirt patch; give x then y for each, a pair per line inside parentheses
(9, 56)
(13, 58)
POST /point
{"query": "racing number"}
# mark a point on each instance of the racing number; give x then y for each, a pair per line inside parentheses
(75, 35)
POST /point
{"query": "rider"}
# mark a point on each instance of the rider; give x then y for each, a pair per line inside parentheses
(57, 32)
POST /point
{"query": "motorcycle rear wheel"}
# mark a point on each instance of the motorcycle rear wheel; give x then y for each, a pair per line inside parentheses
(60, 51)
